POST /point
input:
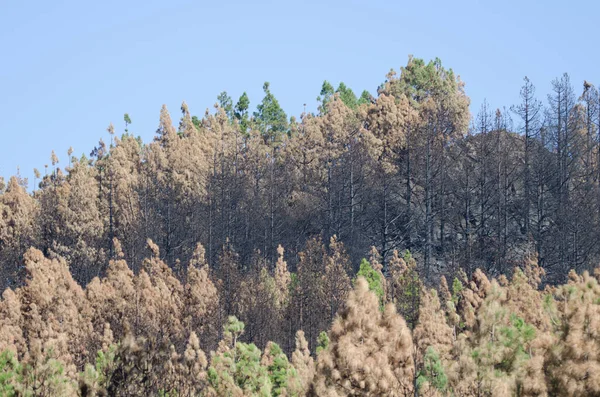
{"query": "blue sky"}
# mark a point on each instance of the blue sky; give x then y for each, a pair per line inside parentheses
(70, 67)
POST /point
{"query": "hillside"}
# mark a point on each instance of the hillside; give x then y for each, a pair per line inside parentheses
(388, 244)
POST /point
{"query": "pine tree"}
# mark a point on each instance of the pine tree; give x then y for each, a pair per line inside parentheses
(529, 111)
(186, 125)
(56, 315)
(165, 134)
(226, 104)
(283, 376)
(498, 353)
(235, 367)
(404, 286)
(12, 338)
(374, 279)
(325, 95)
(303, 362)
(347, 95)
(18, 229)
(112, 298)
(201, 298)
(270, 117)
(309, 301)
(79, 235)
(126, 173)
(192, 369)
(336, 281)
(158, 298)
(229, 275)
(433, 339)
(370, 352)
(283, 280)
(576, 369)
(241, 112)
(127, 121)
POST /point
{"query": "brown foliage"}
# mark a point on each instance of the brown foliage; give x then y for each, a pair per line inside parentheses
(370, 352)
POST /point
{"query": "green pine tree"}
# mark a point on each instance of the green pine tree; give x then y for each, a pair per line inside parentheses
(270, 117)
(373, 278)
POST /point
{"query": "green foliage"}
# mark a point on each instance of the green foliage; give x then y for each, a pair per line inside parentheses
(238, 365)
(271, 119)
(234, 327)
(419, 80)
(10, 373)
(432, 372)
(226, 104)
(322, 342)
(457, 288)
(324, 97)
(220, 380)
(409, 294)
(293, 281)
(105, 360)
(98, 376)
(196, 121)
(127, 120)
(373, 278)
(326, 90)
(241, 112)
(249, 374)
(282, 375)
(365, 98)
(515, 337)
(549, 305)
(43, 376)
(503, 353)
(347, 96)
(52, 375)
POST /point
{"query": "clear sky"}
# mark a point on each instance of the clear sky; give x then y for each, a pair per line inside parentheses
(68, 68)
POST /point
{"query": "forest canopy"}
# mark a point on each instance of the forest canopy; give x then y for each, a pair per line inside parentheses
(388, 244)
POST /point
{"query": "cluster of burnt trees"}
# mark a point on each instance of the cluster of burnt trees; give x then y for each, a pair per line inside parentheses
(150, 333)
(407, 169)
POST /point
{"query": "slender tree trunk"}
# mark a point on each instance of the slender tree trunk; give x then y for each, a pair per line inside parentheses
(408, 190)
(428, 198)
(468, 222)
(527, 178)
(352, 203)
(384, 231)
(443, 202)
(110, 211)
(272, 207)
